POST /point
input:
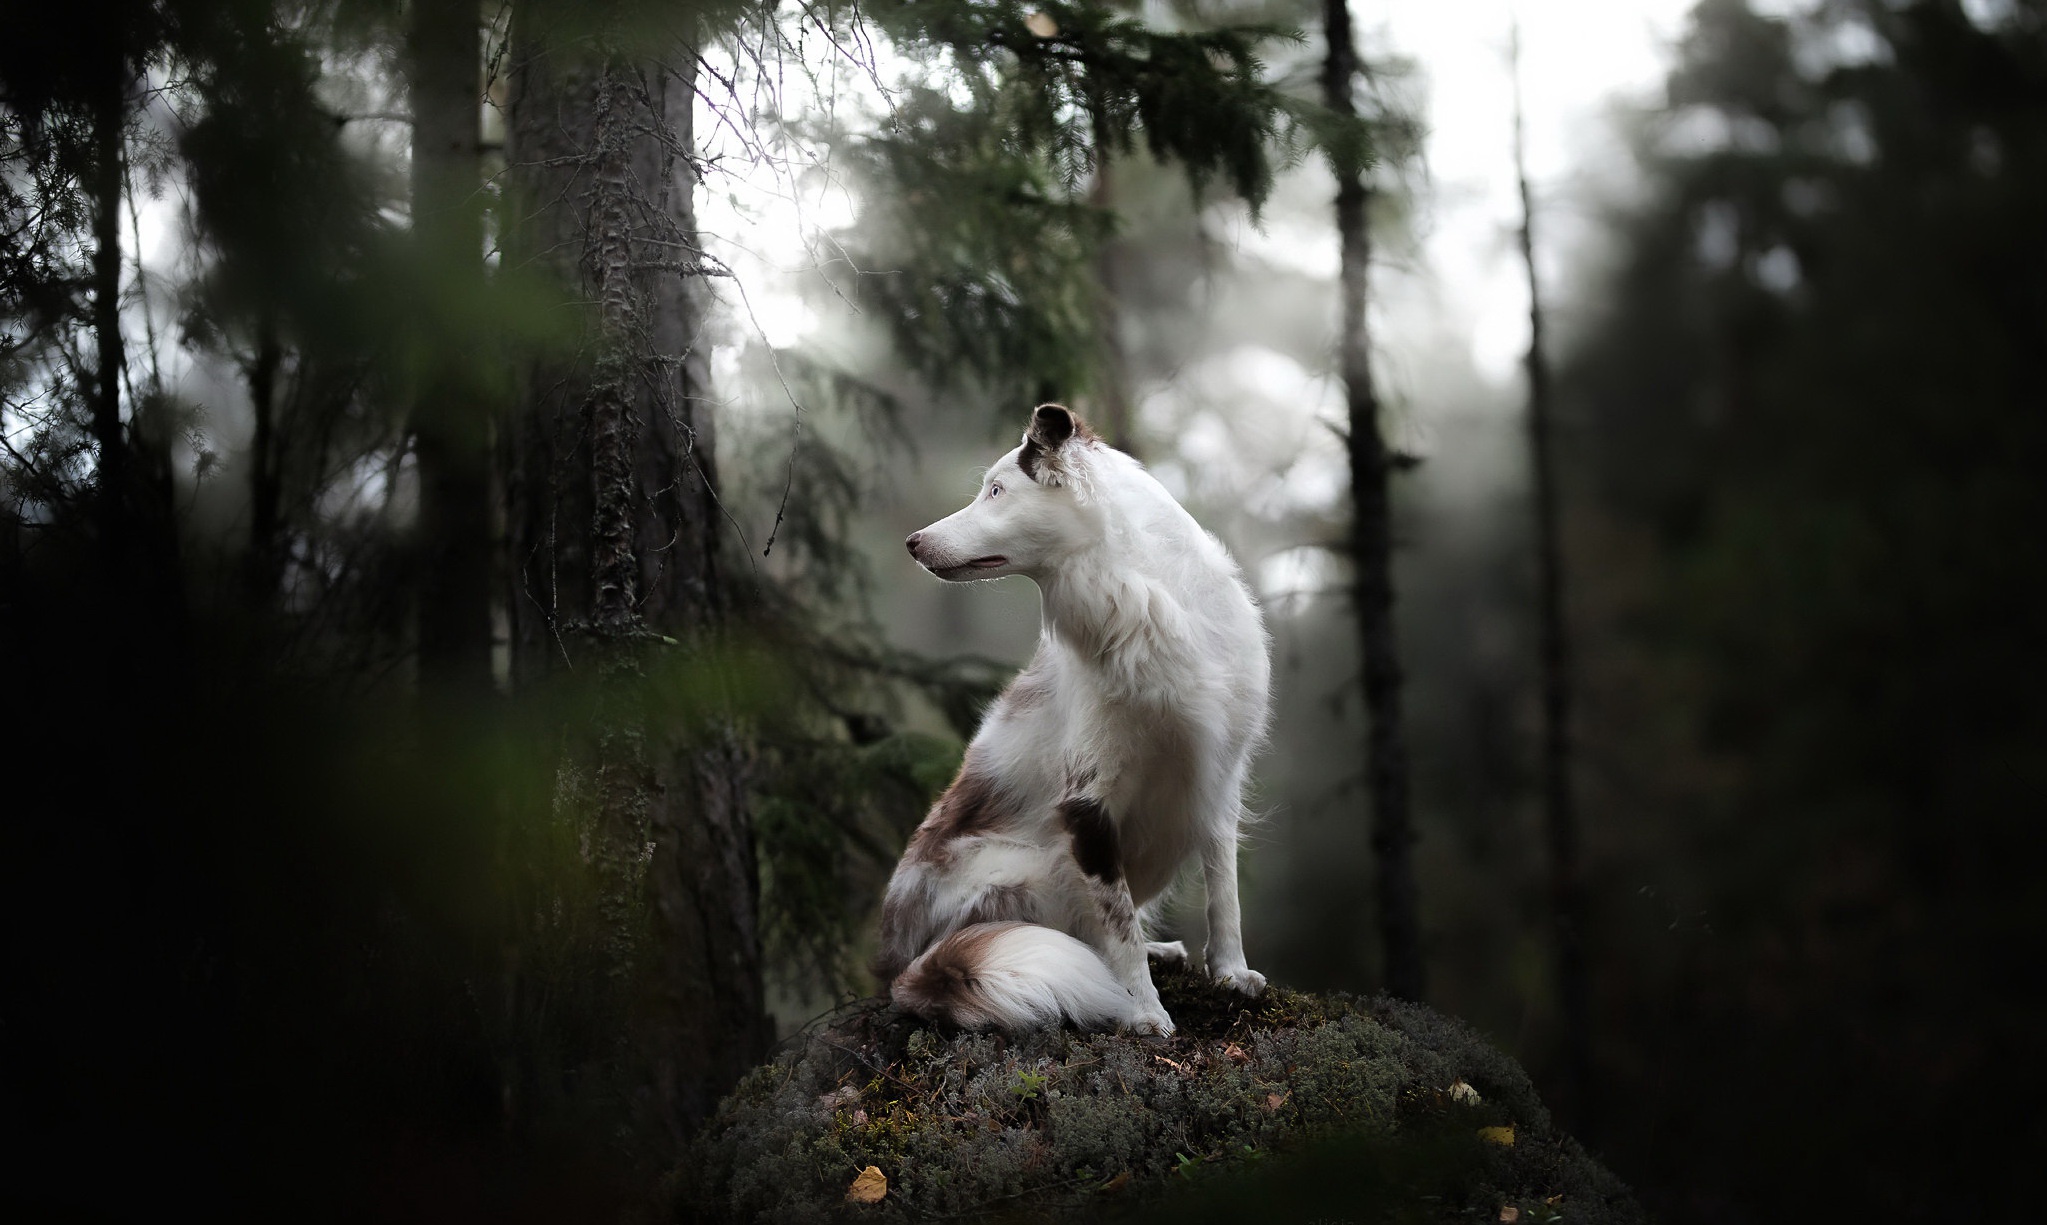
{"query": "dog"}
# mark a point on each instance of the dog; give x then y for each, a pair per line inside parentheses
(1118, 754)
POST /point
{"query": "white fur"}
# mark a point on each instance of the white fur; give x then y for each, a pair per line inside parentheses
(1147, 696)
(1034, 975)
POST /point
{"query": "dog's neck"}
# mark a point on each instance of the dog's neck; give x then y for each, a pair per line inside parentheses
(1123, 626)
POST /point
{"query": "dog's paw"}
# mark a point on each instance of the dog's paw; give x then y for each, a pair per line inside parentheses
(1152, 1022)
(1171, 952)
(1248, 981)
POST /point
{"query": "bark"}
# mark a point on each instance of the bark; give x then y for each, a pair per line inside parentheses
(134, 507)
(265, 558)
(114, 475)
(1371, 543)
(614, 529)
(1560, 820)
(451, 426)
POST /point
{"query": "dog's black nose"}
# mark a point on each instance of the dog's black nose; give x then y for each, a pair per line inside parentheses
(911, 543)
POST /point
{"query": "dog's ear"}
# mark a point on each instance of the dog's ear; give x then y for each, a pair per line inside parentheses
(1052, 427)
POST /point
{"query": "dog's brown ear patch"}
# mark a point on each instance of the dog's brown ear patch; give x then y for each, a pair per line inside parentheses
(1052, 425)
(1031, 458)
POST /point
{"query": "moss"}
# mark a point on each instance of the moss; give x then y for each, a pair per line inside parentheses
(1326, 1105)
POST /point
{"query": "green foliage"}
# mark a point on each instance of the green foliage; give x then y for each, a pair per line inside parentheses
(830, 816)
(971, 250)
(977, 244)
(1087, 82)
(1330, 1102)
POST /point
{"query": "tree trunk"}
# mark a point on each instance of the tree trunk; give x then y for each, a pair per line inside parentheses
(450, 423)
(616, 548)
(264, 566)
(114, 477)
(1371, 542)
(1560, 820)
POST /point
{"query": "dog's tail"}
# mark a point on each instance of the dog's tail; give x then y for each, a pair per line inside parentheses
(1012, 976)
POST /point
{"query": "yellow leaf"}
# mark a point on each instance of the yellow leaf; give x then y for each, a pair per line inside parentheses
(868, 1187)
(1042, 25)
(1497, 1135)
(1117, 1183)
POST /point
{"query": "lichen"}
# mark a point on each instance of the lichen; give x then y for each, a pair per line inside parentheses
(1338, 1103)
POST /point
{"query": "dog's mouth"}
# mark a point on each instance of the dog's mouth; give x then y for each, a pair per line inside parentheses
(969, 567)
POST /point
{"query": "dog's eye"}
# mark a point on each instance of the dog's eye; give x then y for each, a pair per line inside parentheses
(995, 490)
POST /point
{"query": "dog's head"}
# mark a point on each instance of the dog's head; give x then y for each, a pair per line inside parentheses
(1034, 508)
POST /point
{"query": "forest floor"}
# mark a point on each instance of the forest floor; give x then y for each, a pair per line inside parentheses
(1291, 1106)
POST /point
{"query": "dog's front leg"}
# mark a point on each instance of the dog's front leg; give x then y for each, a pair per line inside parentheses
(1112, 924)
(1225, 954)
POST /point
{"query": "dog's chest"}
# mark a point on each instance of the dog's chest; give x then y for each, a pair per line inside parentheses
(1150, 775)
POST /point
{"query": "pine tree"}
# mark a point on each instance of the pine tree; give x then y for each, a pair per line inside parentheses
(450, 423)
(1560, 816)
(617, 545)
(1372, 466)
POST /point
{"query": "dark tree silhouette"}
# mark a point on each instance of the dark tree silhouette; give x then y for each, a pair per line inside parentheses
(1372, 465)
(618, 562)
(450, 421)
(1560, 817)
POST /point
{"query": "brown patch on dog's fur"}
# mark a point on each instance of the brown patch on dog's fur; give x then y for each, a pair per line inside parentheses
(1052, 426)
(900, 943)
(941, 983)
(1029, 458)
(972, 805)
(1002, 904)
(1050, 430)
(1117, 916)
(1095, 845)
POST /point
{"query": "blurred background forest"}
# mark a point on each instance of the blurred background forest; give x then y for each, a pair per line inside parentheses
(466, 691)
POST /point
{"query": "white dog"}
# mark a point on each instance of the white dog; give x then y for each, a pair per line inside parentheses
(1116, 755)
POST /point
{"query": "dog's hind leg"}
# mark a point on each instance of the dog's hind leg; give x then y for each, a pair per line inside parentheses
(1171, 952)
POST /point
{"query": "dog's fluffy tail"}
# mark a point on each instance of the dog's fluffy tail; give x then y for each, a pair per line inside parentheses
(1012, 976)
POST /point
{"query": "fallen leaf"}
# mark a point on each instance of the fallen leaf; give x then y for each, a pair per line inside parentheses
(1509, 1212)
(1273, 1101)
(1460, 1091)
(1177, 1067)
(1498, 1135)
(868, 1187)
(1236, 1054)
(1042, 25)
(1117, 1183)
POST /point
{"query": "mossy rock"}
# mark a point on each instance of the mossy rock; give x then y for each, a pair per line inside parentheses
(1289, 1107)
